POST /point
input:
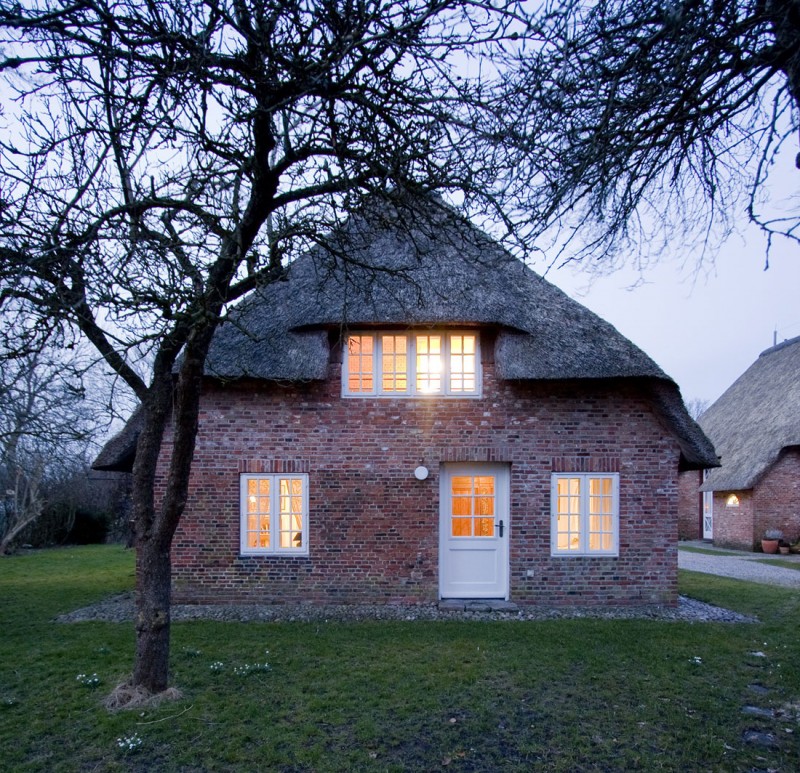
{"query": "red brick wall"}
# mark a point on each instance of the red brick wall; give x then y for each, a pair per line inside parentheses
(690, 519)
(777, 498)
(733, 526)
(374, 528)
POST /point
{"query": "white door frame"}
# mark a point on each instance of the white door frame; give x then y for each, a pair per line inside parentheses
(708, 515)
(475, 567)
(707, 511)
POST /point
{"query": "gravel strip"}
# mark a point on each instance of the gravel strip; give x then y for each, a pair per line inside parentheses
(118, 609)
(748, 566)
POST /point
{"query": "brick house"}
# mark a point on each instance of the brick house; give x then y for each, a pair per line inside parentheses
(755, 427)
(414, 415)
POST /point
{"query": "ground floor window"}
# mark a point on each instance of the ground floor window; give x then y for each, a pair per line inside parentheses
(274, 514)
(585, 514)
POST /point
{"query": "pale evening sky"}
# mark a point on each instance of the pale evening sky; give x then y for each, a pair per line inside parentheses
(703, 330)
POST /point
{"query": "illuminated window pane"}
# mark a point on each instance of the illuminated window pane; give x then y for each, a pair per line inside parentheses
(429, 364)
(461, 485)
(394, 363)
(462, 506)
(291, 510)
(484, 505)
(462, 363)
(258, 506)
(360, 363)
(567, 510)
(484, 485)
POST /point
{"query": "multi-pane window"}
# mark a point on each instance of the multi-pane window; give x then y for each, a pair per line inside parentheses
(360, 364)
(473, 506)
(274, 514)
(463, 362)
(429, 364)
(394, 363)
(412, 364)
(585, 514)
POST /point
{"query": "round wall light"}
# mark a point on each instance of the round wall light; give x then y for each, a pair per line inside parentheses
(421, 473)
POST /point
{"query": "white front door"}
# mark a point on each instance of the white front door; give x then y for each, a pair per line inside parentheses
(473, 531)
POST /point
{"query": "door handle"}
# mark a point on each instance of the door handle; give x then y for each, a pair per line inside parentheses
(500, 526)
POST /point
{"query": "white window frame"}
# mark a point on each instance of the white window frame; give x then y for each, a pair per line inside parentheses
(411, 375)
(274, 549)
(584, 550)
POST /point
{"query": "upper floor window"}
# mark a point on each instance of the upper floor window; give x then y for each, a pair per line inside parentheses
(393, 364)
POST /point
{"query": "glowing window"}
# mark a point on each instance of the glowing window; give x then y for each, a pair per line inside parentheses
(360, 364)
(429, 364)
(463, 365)
(274, 514)
(407, 365)
(473, 506)
(732, 501)
(585, 514)
(394, 363)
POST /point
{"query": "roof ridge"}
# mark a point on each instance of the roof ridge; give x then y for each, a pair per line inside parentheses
(785, 344)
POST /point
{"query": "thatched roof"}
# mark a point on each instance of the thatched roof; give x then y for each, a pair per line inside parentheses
(419, 268)
(421, 264)
(117, 454)
(756, 418)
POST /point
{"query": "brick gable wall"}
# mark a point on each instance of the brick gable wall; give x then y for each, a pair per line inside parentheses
(374, 528)
(777, 498)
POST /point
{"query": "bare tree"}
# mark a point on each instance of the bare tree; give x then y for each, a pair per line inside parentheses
(697, 406)
(46, 429)
(172, 155)
(660, 123)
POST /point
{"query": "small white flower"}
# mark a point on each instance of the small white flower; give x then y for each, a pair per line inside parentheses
(249, 668)
(129, 743)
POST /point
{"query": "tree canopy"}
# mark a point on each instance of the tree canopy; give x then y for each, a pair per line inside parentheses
(660, 123)
(161, 158)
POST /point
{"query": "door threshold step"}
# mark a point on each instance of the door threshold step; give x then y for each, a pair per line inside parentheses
(477, 605)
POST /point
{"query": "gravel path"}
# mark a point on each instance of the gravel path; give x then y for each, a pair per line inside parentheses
(119, 609)
(742, 566)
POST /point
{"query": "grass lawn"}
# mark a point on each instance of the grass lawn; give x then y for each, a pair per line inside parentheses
(778, 562)
(566, 695)
(707, 551)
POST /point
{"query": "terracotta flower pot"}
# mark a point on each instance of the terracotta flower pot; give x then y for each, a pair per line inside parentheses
(769, 545)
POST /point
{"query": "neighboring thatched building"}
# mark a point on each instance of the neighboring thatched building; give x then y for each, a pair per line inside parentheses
(755, 428)
(414, 415)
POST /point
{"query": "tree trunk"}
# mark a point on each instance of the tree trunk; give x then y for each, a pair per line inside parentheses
(153, 569)
(155, 525)
(153, 577)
